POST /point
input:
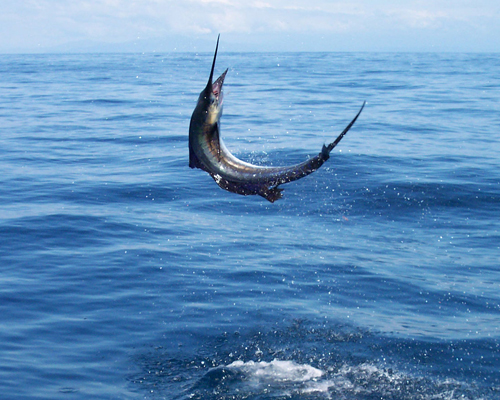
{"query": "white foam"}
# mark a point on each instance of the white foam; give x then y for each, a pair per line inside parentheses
(288, 378)
(277, 371)
(349, 379)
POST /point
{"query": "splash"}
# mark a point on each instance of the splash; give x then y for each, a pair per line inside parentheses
(276, 371)
(278, 377)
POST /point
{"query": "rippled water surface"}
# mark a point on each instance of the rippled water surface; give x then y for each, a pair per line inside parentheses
(126, 275)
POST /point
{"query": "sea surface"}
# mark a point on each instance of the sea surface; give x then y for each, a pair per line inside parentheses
(124, 274)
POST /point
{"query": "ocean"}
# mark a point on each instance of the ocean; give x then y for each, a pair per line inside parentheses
(124, 274)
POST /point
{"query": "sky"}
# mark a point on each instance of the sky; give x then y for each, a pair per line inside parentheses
(35, 26)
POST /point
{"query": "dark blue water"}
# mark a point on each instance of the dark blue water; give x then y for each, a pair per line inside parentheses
(126, 275)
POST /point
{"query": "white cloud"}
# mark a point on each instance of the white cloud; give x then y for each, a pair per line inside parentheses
(53, 22)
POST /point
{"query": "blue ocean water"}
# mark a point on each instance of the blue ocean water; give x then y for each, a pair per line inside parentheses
(126, 275)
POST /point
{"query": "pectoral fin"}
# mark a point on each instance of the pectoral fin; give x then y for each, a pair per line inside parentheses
(216, 142)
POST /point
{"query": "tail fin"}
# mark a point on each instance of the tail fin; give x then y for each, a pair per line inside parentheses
(327, 149)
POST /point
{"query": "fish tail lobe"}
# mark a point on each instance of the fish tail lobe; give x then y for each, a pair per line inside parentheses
(328, 148)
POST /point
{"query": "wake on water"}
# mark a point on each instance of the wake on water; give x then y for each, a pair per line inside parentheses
(288, 380)
(330, 363)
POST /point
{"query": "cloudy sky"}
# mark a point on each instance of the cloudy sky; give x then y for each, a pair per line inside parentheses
(249, 25)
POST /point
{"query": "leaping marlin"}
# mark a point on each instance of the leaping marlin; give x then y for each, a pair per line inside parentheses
(208, 152)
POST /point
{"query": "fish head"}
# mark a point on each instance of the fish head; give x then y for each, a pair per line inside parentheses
(211, 99)
(204, 125)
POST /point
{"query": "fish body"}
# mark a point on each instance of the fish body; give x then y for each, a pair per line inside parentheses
(208, 152)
